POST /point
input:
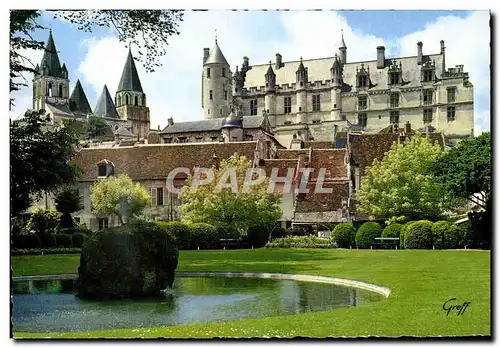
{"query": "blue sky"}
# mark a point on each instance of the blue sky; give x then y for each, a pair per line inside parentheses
(174, 90)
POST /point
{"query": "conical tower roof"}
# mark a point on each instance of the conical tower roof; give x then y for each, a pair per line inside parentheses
(130, 78)
(51, 59)
(342, 42)
(78, 100)
(105, 106)
(270, 71)
(301, 66)
(216, 56)
(336, 62)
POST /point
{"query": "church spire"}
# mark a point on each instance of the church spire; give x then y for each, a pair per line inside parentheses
(130, 78)
(50, 65)
(105, 106)
(78, 100)
(342, 49)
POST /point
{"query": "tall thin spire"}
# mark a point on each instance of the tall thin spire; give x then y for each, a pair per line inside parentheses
(130, 78)
(216, 36)
(342, 42)
(50, 64)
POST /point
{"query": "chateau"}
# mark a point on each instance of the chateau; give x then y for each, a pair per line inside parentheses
(320, 113)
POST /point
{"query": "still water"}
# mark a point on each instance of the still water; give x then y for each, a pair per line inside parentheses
(51, 305)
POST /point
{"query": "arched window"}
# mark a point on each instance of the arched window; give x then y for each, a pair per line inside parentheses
(136, 101)
(61, 91)
(49, 89)
(126, 99)
(118, 100)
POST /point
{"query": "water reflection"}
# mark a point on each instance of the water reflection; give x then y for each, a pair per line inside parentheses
(45, 306)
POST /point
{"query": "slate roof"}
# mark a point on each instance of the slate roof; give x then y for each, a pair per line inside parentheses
(124, 132)
(51, 59)
(130, 78)
(59, 109)
(105, 106)
(215, 124)
(150, 162)
(216, 56)
(319, 70)
(78, 100)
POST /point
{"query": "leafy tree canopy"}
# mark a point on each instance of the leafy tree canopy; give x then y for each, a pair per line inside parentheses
(68, 201)
(224, 208)
(120, 196)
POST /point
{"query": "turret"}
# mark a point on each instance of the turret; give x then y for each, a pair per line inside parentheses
(343, 50)
(232, 128)
(336, 100)
(270, 98)
(301, 83)
(216, 84)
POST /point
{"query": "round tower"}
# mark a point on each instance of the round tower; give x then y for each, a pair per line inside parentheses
(270, 98)
(300, 87)
(217, 86)
(336, 73)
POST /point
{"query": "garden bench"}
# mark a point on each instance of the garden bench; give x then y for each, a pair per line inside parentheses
(386, 243)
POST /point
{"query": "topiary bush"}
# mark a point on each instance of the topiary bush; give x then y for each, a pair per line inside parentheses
(180, 231)
(47, 240)
(367, 233)
(43, 220)
(204, 236)
(258, 236)
(419, 235)
(64, 240)
(392, 231)
(78, 239)
(134, 260)
(402, 234)
(278, 232)
(344, 234)
(26, 241)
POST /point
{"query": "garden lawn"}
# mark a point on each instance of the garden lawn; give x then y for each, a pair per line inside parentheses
(420, 282)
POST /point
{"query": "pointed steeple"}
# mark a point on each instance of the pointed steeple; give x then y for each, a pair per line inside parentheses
(301, 66)
(343, 50)
(270, 71)
(78, 100)
(105, 106)
(50, 64)
(216, 56)
(130, 78)
(342, 42)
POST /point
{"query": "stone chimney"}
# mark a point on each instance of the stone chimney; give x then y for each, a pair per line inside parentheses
(245, 65)
(279, 61)
(407, 127)
(159, 129)
(206, 53)
(380, 57)
(419, 52)
(170, 121)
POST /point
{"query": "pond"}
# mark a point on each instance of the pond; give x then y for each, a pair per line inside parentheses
(51, 305)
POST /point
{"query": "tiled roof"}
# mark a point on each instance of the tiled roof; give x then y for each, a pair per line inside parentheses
(323, 202)
(319, 144)
(149, 162)
(333, 160)
(364, 148)
(292, 154)
(249, 122)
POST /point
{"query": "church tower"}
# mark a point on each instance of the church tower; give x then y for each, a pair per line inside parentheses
(50, 81)
(217, 89)
(130, 100)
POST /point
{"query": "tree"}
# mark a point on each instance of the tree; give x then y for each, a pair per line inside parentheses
(149, 30)
(40, 159)
(119, 196)
(68, 200)
(96, 127)
(402, 184)
(228, 208)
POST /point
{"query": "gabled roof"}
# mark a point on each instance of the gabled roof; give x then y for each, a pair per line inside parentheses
(123, 132)
(215, 124)
(216, 56)
(50, 59)
(78, 101)
(130, 78)
(105, 106)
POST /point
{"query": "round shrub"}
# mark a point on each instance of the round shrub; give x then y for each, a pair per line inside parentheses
(180, 231)
(204, 236)
(64, 240)
(134, 260)
(438, 232)
(278, 232)
(392, 231)
(367, 233)
(258, 236)
(26, 241)
(419, 235)
(43, 220)
(78, 239)
(47, 240)
(344, 234)
(402, 234)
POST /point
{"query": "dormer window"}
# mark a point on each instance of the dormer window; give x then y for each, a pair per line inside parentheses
(428, 71)
(363, 81)
(395, 73)
(105, 168)
(102, 170)
(362, 77)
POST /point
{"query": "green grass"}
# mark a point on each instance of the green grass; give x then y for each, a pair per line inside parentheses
(420, 282)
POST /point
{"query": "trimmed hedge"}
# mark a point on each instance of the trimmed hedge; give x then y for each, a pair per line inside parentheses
(78, 239)
(419, 235)
(392, 231)
(180, 231)
(344, 235)
(278, 232)
(75, 230)
(258, 236)
(47, 240)
(26, 241)
(46, 251)
(137, 259)
(367, 233)
(302, 242)
(402, 234)
(447, 235)
(64, 240)
(204, 236)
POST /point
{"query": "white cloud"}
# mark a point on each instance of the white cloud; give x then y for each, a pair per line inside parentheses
(467, 42)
